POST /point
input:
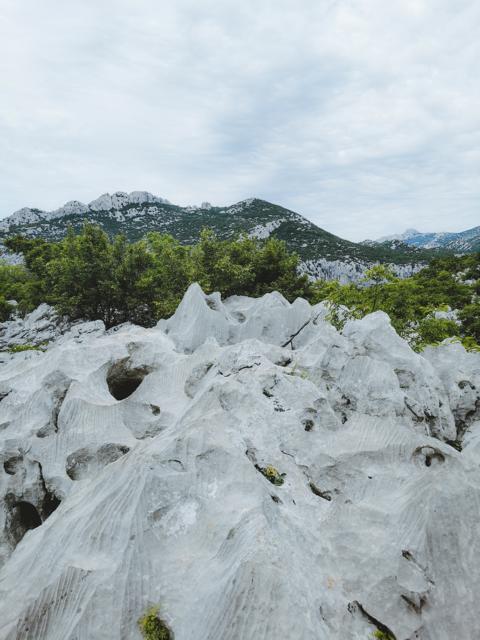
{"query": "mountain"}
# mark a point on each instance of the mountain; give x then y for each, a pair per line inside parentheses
(244, 470)
(322, 253)
(462, 242)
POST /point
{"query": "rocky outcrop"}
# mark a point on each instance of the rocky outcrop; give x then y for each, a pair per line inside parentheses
(246, 468)
(346, 271)
(39, 328)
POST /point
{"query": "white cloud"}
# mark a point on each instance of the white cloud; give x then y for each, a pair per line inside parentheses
(361, 115)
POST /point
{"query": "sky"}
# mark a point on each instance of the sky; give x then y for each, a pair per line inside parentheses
(362, 115)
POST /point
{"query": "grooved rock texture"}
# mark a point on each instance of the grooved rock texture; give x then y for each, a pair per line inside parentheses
(248, 469)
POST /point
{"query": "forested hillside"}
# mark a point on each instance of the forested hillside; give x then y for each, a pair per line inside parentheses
(322, 254)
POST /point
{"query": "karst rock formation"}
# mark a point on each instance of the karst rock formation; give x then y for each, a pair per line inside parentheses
(244, 467)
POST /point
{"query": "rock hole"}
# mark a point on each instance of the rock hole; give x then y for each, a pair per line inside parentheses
(429, 456)
(122, 380)
(24, 517)
(50, 504)
(239, 316)
(212, 304)
(308, 424)
(13, 465)
(155, 409)
(88, 461)
(276, 499)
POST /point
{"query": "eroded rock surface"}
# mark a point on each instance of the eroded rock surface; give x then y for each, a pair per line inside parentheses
(247, 468)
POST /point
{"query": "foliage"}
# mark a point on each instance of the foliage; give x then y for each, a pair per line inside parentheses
(272, 475)
(382, 635)
(245, 266)
(413, 303)
(13, 279)
(251, 216)
(152, 628)
(18, 348)
(470, 317)
(90, 276)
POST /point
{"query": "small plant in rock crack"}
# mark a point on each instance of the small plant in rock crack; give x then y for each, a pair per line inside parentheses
(272, 475)
(18, 348)
(296, 371)
(382, 635)
(152, 627)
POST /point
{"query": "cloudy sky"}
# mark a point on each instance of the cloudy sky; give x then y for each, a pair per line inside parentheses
(364, 115)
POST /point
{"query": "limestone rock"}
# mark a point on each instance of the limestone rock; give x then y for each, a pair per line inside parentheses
(133, 474)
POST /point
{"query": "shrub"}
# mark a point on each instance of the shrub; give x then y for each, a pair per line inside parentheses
(152, 628)
(382, 635)
(91, 277)
(272, 475)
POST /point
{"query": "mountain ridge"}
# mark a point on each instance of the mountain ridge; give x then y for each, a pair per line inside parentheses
(322, 253)
(461, 241)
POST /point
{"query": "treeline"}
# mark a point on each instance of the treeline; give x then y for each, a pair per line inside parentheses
(440, 301)
(90, 276)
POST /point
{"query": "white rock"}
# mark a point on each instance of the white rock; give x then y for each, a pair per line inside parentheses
(152, 440)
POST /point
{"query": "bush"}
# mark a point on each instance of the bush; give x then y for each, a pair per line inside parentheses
(411, 303)
(90, 277)
(272, 475)
(152, 628)
(382, 635)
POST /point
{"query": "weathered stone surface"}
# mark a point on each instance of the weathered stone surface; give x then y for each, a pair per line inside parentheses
(163, 495)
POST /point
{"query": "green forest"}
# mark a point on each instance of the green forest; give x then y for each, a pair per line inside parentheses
(90, 276)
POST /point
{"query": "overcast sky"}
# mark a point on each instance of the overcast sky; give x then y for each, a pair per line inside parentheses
(363, 115)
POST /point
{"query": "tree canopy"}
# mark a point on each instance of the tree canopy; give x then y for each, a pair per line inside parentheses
(91, 276)
(440, 301)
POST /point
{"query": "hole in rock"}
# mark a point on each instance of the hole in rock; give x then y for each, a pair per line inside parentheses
(12, 465)
(50, 503)
(122, 381)
(429, 456)
(88, 461)
(239, 316)
(212, 304)
(24, 517)
(308, 424)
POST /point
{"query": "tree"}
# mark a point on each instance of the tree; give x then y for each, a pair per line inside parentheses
(377, 276)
